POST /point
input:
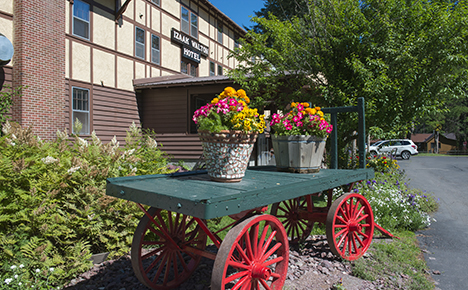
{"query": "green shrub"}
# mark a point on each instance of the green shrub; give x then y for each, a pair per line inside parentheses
(54, 212)
(382, 163)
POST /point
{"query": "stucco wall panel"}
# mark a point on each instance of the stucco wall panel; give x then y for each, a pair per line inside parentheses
(171, 55)
(155, 19)
(124, 74)
(172, 7)
(67, 58)
(140, 12)
(139, 70)
(6, 28)
(67, 17)
(167, 24)
(129, 12)
(103, 31)
(125, 40)
(204, 68)
(155, 72)
(103, 68)
(203, 22)
(6, 6)
(81, 58)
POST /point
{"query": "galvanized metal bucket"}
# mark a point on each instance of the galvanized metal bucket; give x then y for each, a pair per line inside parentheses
(227, 154)
(299, 154)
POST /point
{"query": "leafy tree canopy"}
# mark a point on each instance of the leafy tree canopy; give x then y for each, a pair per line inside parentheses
(404, 57)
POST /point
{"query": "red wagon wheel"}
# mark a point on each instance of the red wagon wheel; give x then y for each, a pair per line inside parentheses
(350, 226)
(288, 212)
(158, 262)
(253, 255)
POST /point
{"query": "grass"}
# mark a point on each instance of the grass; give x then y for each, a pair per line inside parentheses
(391, 261)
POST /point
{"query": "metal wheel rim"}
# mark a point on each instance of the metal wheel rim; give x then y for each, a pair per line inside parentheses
(350, 226)
(154, 260)
(243, 262)
(297, 229)
(405, 155)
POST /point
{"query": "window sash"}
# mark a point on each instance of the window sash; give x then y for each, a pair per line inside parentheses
(80, 109)
(155, 52)
(157, 2)
(220, 33)
(194, 25)
(81, 19)
(193, 70)
(185, 25)
(139, 42)
(212, 69)
(183, 67)
(220, 70)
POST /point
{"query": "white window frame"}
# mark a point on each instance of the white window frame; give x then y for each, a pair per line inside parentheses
(85, 130)
(81, 19)
(140, 44)
(155, 51)
(189, 26)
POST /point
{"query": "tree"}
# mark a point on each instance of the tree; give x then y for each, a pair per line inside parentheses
(404, 57)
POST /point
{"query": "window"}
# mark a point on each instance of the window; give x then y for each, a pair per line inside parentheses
(193, 70)
(184, 67)
(157, 2)
(155, 52)
(212, 68)
(236, 41)
(220, 33)
(80, 109)
(139, 42)
(189, 23)
(81, 19)
(188, 68)
(220, 70)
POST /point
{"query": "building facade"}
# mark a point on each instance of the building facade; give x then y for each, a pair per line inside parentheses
(80, 59)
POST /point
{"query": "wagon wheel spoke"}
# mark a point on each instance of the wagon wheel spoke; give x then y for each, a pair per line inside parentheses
(253, 255)
(350, 226)
(298, 227)
(160, 264)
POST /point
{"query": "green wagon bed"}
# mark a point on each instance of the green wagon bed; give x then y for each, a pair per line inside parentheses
(194, 194)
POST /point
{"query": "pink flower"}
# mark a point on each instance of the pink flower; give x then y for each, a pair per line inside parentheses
(296, 119)
(329, 128)
(299, 124)
(300, 107)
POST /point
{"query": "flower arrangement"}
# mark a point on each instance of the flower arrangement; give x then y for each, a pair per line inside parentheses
(229, 111)
(301, 120)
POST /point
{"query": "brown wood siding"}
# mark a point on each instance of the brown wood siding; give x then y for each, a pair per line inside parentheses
(113, 112)
(165, 111)
(168, 112)
(180, 146)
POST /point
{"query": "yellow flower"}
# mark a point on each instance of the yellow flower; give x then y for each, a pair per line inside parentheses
(317, 108)
(313, 111)
(215, 101)
(320, 113)
(293, 105)
(241, 93)
(229, 92)
(306, 105)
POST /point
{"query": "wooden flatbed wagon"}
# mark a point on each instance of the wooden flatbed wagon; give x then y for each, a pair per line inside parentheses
(171, 237)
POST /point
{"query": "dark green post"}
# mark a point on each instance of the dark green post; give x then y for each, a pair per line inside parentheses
(334, 142)
(361, 133)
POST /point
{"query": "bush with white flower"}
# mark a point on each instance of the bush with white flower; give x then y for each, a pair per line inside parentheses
(54, 212)
(395, 204)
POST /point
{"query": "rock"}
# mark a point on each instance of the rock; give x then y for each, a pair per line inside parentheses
(436, 272)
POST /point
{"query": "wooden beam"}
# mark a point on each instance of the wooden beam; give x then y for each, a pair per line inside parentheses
(121, 10)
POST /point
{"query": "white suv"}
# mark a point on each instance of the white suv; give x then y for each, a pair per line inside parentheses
(403, 148)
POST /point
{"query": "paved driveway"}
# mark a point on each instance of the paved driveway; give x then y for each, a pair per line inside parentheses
(446, 241)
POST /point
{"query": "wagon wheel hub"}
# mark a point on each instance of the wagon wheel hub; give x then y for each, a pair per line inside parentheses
(354, 226)
(261, 272)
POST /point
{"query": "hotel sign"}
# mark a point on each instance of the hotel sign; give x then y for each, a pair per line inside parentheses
(191, 48)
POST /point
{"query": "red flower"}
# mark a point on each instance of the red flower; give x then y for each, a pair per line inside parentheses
(384, 157)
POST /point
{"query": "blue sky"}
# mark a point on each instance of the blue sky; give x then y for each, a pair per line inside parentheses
(239, 10)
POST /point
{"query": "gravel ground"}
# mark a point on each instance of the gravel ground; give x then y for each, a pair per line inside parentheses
(311, 267)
